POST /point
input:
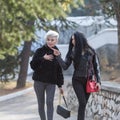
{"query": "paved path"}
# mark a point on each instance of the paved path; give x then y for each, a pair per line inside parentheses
(24, 107)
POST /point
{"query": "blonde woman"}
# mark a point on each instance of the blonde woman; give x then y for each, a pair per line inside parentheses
(47, 74)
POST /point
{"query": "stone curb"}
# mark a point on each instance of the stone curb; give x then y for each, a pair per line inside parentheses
(111, 86)
(16, 94)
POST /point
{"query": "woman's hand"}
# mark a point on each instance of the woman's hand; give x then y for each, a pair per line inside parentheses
(48, 57)
(61, 91)
(56, 52)
(98, 86)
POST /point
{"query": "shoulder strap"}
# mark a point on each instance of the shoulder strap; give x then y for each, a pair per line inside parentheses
(63, 99)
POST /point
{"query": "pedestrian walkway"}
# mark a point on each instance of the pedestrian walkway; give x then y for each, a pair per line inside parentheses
(24, 107)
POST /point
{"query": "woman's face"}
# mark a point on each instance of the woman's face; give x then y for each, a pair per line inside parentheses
(51, 41)
(73, 40)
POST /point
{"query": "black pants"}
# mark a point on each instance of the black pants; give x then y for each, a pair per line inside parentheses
(79, 86)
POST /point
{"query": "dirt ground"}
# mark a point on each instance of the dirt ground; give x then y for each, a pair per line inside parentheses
(113, 75)
(9, 87)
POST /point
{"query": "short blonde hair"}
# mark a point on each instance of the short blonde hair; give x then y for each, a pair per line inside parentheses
(52, 34)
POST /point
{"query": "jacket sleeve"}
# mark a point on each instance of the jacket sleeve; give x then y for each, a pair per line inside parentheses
(96, 65)
(37, 60)
(64, 64)
(60, 78)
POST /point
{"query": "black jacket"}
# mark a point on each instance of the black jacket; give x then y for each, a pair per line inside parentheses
(78, 72)
(44, 70)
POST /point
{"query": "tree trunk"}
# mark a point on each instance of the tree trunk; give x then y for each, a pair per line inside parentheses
(117, 13)
(119, 41)
(21, 82)
(116, 9)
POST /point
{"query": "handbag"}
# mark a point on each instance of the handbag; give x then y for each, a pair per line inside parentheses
(91, 81)
(91, 86)
(61, 110)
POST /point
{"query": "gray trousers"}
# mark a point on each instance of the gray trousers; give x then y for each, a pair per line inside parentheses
(41, 89)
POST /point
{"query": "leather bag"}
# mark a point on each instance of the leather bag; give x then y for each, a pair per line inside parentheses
(61, 110)
(91, 86)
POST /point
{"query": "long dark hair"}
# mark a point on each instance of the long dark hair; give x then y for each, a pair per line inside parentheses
(80, 45)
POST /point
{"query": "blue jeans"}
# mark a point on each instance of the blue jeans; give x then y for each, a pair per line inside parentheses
(40, 90)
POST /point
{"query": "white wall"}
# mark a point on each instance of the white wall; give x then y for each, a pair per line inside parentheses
(106, 36)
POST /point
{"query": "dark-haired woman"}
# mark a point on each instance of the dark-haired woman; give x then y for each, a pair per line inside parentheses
(82, 55)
